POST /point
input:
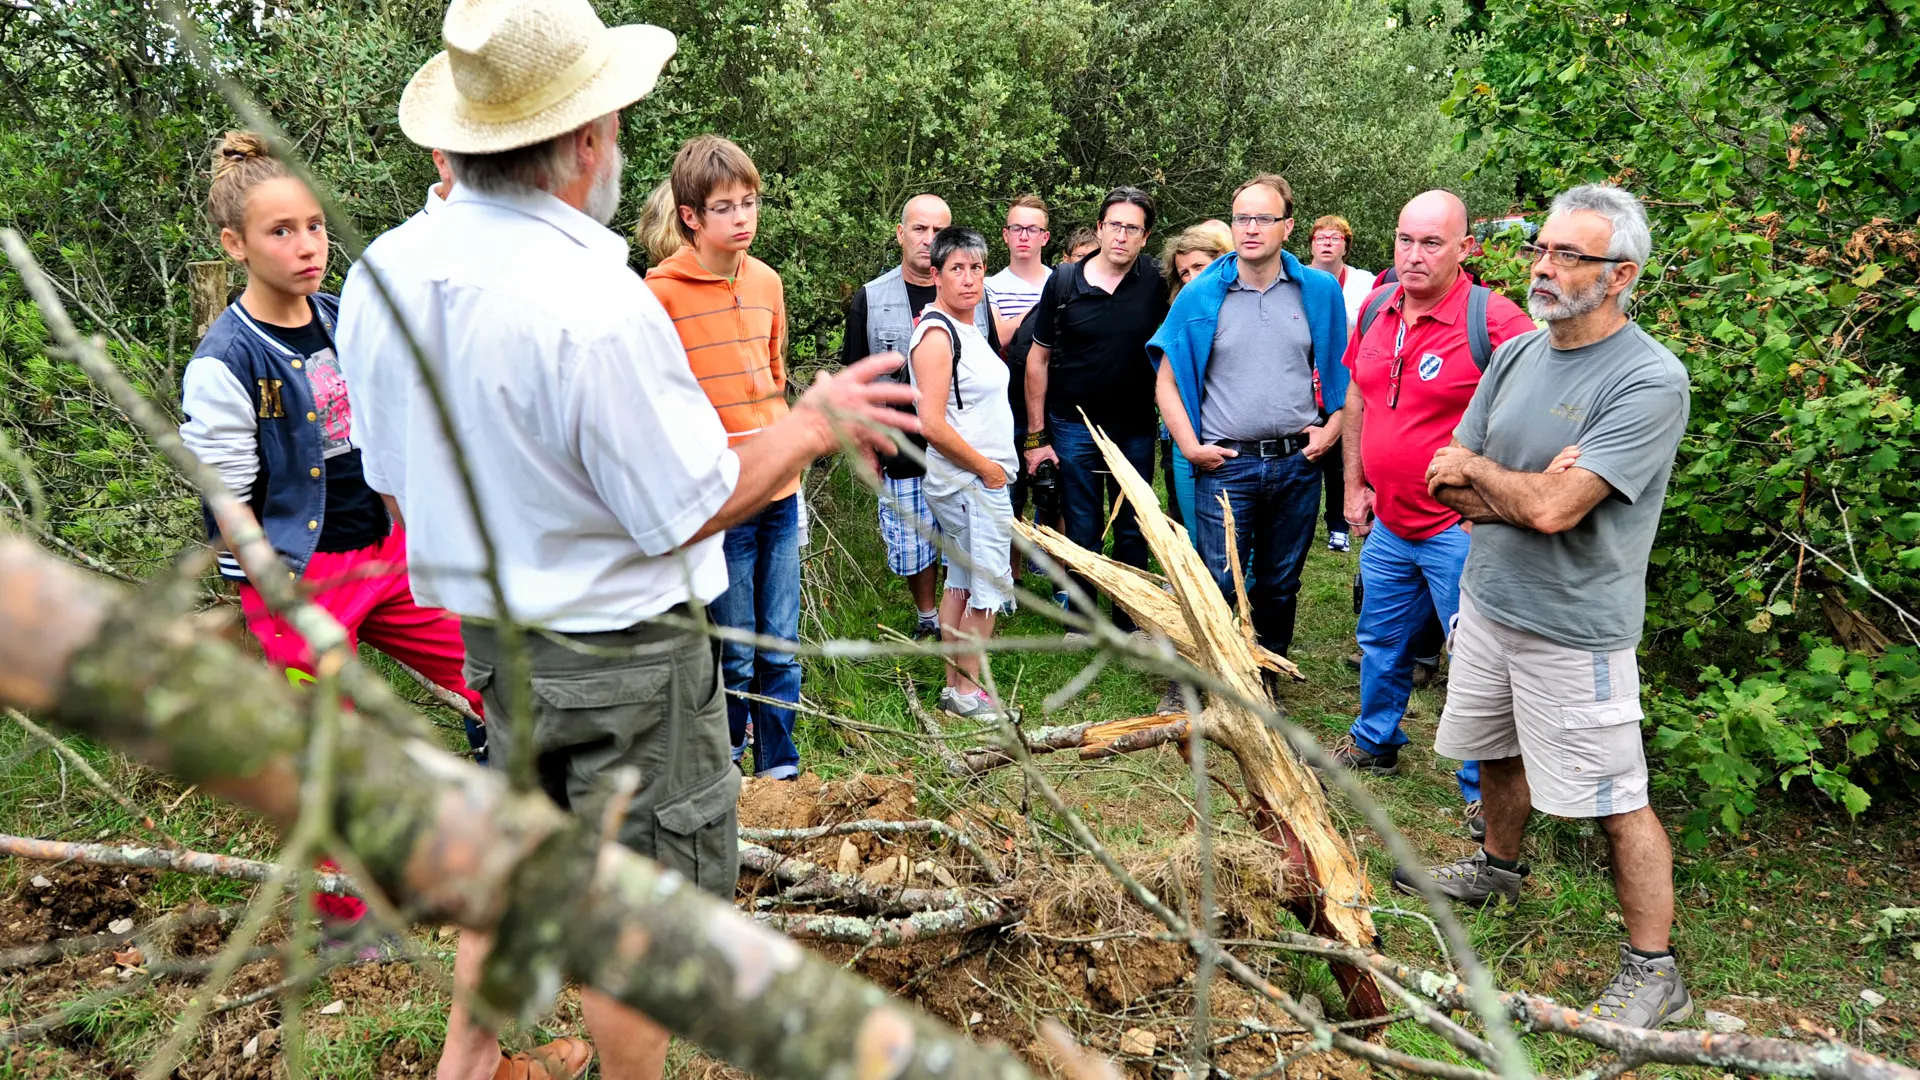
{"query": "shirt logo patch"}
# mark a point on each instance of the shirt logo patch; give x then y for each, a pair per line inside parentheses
(1430, 367)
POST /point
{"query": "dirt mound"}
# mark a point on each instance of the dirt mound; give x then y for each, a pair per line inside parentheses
(73, 901)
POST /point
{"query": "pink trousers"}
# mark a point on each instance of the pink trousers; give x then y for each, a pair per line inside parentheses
(367, 591)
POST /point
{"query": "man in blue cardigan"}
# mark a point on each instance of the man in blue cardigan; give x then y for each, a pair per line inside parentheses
(1250, 386)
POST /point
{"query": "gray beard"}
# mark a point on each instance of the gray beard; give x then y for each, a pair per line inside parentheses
(1565, 306)
(603, 199)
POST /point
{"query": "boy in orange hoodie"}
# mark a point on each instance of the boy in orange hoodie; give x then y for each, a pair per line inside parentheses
(730, 310)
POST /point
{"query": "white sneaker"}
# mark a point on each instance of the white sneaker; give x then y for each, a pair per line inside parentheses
(1338, 541)
(966, 706)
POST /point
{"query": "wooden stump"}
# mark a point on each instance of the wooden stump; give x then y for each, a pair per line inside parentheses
(207, 291)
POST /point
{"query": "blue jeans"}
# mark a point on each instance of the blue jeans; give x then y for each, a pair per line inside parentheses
(763, 597)
(1276, 504)
(1085, 487)
(1408, 583)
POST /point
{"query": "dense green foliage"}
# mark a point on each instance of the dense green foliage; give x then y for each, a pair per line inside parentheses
(1778, 148)
(1775, 147)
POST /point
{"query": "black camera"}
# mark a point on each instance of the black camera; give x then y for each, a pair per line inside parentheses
(1045, 485)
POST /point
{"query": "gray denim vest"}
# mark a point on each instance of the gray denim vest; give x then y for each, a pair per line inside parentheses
(890, 320)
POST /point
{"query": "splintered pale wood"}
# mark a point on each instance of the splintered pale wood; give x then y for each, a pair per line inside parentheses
(1279, 782)
(1142, 594)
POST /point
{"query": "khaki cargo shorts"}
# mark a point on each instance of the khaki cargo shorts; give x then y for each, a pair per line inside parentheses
(653, 699)
(1571, 715)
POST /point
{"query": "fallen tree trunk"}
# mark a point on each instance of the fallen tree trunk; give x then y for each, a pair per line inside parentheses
(447, 840)
(1289, 806)
(1093, 739)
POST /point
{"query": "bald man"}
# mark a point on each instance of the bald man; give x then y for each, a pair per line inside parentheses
(1416, 355)
(881, 319)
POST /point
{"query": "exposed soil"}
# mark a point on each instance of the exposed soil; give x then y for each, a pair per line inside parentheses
(75, 901)
(1083, 955)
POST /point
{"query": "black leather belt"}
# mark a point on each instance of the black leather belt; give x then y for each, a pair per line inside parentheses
(1285, 446)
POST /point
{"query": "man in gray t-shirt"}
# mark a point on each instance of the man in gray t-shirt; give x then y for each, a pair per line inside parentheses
(1544, 689)
(1623, 401)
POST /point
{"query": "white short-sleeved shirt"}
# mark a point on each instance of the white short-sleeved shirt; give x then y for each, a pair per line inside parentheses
(1355, 284)
(594, 450)
(980, 413)
(1010, 294)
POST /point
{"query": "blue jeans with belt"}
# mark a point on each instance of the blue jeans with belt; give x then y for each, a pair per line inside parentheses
(763, 597)
(1084, 490)
(1408, 583)
(1276, 504)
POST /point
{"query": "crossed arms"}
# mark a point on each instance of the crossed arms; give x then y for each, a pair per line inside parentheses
(1482, 490)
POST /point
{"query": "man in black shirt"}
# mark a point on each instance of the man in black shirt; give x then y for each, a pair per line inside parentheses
(1089, 356)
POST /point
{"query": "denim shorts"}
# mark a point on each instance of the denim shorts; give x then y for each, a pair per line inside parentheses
(648, 696)
(978, 520)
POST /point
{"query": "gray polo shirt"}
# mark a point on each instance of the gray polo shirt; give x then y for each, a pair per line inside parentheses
(1623, 401)
(1260, 375)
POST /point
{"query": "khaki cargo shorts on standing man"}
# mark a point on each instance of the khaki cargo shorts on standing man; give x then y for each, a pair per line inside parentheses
(1572, 715)
(647, 696)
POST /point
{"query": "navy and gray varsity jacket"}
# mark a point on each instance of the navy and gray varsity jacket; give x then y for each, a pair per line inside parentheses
(250, 415)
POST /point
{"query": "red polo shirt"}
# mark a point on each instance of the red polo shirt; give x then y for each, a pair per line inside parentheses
(1400, 433)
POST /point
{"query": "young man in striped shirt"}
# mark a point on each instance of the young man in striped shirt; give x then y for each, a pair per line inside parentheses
(730, 311)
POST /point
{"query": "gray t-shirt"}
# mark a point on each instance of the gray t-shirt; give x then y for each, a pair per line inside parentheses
(1259, 381)
(1623, 401)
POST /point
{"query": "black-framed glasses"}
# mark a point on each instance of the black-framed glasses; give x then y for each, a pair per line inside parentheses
(1027, 230)
(1564, 258)
(1265, 221)
(750, 204)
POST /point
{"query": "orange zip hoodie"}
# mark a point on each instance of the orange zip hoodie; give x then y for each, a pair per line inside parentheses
(735, 336)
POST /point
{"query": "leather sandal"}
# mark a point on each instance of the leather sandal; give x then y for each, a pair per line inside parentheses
(561, 1059)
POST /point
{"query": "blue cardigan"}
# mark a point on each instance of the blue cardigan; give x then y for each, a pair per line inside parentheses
(1186, 339)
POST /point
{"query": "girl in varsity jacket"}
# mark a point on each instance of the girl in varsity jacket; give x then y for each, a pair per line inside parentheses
(266, 406)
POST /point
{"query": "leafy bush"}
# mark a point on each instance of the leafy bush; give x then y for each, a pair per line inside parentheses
(1838, 719)
(1776, 149)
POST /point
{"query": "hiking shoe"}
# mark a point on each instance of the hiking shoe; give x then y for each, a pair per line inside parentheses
(1471, 881)
(1425, 673)
(1644, 993)
(966, 706)
(1350, 756)
(926, 631)
(1337, 541)
(1476, 822)
(1352, 660)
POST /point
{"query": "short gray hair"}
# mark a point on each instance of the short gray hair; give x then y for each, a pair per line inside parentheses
(544, 166)
(1632, 239)
(955, 239)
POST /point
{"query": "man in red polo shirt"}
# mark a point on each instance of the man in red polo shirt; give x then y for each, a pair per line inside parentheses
(1416, 354)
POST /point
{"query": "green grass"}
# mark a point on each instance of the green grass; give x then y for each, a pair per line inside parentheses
(1772, 912)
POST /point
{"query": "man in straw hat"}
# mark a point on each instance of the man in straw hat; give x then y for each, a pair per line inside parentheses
(604, 475)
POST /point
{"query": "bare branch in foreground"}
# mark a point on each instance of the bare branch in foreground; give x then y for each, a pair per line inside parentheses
(178, 860)
(883, 828)
(448, 840)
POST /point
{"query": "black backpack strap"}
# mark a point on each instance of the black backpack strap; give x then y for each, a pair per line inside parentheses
(953, 336)
(1372, 310)
(1479, 336)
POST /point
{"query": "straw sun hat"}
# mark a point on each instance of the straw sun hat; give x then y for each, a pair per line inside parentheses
(519, 72)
